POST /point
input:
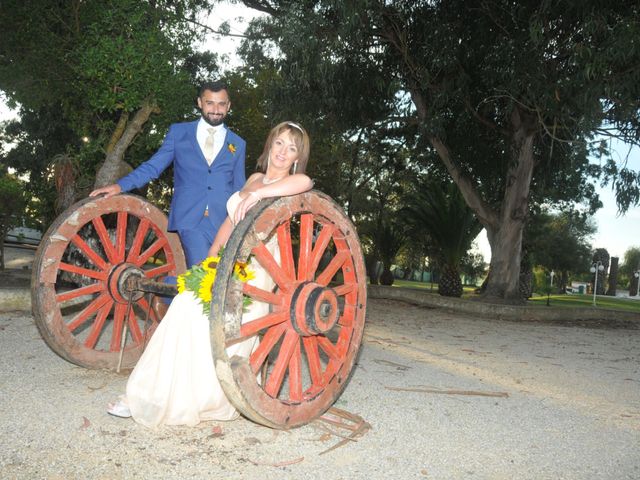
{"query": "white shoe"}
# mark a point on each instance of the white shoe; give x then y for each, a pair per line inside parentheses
(119, 409)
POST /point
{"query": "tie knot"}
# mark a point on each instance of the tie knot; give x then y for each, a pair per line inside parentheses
(211, 130)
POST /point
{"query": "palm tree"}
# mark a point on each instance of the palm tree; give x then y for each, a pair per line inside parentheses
(443, 214)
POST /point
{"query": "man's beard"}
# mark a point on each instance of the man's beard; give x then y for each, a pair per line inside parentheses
(215, 121)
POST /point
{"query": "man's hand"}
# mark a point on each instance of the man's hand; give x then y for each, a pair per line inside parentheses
(109, 191)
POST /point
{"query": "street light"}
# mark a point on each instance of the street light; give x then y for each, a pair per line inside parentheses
(595, 268)
(551, 274)
(637, 275)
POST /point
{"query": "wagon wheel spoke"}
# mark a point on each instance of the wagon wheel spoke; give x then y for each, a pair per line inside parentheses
(313, 360)
(86, 312)
(97, 260)
(102, 232)
(286, 251)
(266, 260)
(80, 292)
(274, 381)
(320, 247)
(306, 239)
(257, 358)
(138, 239)
(85, 272)
(149, 252)
(98, 324)
(134, 328)
(260, 294)
(254, 326)
(336, 263)
(118, 322)
(154, 272)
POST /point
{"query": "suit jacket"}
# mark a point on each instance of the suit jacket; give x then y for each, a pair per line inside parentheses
(196, 185)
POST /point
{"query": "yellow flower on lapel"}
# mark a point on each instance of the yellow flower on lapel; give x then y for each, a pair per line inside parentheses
(232, 148)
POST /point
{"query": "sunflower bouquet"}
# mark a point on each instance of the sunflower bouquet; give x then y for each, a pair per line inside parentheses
(199, 279)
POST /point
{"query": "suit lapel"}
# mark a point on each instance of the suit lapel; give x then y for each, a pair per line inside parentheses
(225, 148)
(193, 138)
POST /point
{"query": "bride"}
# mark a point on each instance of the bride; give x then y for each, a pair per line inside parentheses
(174, 382)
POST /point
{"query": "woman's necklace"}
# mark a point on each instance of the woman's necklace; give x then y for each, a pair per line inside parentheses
(268, 181)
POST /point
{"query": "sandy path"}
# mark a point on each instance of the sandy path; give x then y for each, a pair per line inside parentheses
(567, 406)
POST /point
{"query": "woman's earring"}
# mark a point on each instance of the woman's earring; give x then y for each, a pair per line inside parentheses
(295, 165)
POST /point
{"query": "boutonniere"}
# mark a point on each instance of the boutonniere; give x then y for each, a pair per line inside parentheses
(231, 147)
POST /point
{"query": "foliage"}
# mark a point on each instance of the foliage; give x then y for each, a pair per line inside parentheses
(441, 213)
(200, 278)
(472, 265)
(560, 242)
(83, 71)
(12, 205)
(510, 117)
(631, 262)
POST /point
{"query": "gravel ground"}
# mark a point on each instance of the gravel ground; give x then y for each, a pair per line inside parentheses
(447, 397)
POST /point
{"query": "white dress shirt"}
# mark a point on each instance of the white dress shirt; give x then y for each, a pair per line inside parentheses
(202, 132)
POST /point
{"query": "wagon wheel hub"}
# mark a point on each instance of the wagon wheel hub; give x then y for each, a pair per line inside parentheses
(314, 309)
(123, 281)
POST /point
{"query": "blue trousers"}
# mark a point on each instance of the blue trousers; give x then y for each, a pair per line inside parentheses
(197, 241)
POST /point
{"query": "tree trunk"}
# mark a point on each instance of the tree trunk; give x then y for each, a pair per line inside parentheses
(126, 131)
(506, 239)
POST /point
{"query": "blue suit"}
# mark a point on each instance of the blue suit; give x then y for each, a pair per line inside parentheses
(196, 185)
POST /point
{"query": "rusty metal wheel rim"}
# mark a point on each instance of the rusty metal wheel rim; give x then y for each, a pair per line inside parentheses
(71, 272)
(311, 360)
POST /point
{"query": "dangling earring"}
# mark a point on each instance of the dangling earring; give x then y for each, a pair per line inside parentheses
(295, 165)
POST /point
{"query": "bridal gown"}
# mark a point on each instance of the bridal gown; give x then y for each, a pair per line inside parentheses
(174, 382)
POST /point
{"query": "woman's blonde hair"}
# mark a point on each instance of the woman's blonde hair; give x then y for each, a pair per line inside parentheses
(300, 138)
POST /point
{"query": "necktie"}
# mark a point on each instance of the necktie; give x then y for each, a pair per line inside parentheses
(208, 146)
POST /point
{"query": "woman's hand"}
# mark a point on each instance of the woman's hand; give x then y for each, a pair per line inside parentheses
(247, 202)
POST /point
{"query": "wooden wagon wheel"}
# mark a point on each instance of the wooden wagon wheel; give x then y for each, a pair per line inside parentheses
(311, 332)
(78, 299)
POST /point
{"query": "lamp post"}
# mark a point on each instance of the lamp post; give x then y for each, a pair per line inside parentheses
(595, 268)
(637, 275)
(551, 274)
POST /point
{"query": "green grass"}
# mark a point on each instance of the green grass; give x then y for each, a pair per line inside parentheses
(467, 289)
(568, 301)
(573, 300)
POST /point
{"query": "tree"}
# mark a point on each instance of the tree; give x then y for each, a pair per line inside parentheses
(631, 265)
(560, 242)
(12, 205)
(440, 212)
(99, 71)
(543, 79)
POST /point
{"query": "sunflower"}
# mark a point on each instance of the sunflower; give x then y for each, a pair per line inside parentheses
(243, 272)
(181, 281)
(210, 264)
(204, 293)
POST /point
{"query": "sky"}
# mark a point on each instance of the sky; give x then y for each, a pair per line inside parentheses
(615, 233)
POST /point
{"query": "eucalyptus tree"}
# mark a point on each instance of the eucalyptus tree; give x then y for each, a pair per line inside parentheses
(533, 81)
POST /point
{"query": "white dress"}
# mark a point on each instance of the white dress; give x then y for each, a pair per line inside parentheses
(174, 382)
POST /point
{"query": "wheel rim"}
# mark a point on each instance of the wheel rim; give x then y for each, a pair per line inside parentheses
(310, 336)
(78, 298)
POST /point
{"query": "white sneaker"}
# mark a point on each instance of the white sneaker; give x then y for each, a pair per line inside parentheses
(119, 409)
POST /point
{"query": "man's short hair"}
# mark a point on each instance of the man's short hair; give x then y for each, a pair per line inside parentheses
(213, 86)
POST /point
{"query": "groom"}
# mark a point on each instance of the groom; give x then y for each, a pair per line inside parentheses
(208, 166)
